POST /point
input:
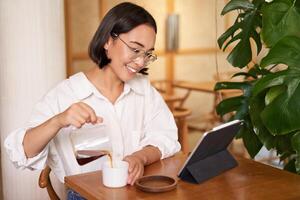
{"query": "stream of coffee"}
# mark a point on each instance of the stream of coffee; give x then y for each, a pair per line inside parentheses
(85, 156)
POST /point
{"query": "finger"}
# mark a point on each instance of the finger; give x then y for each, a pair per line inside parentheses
(130, 162)
(90, 111)
(131, 167)
(99, 120)
(136, 174)
(78, 119)
(76, 124)
(83, 112)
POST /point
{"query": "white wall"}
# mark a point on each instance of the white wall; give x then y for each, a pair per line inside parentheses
(32, 59)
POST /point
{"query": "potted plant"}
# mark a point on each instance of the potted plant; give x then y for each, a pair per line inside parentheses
(270, 103)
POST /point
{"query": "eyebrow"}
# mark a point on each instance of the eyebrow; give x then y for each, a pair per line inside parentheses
(141, 45)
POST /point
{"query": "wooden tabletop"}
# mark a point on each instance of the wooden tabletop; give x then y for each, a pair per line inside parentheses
(249, 180)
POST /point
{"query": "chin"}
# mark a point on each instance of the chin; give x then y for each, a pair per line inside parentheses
(127, 77)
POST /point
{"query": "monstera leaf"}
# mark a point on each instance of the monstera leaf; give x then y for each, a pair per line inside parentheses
(255, 108)
(280, 18)
(244, 28)
(286, 51)
(282, 111)
(233, 103)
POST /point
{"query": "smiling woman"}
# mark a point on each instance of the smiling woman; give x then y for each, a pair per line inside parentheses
(140, 126)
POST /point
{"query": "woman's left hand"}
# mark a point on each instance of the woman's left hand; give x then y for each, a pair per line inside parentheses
(135, 169)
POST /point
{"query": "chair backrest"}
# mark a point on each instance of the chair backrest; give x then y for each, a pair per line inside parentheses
(45, 182)
(173, 97)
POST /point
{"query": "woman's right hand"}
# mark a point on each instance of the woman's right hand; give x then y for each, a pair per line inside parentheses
(77, 115)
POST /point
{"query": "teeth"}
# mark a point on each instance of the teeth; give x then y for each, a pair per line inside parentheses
(131, 69)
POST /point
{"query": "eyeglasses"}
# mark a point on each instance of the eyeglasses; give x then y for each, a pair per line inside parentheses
(139, 53)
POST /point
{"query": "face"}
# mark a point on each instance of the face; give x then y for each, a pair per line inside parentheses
(131, 51)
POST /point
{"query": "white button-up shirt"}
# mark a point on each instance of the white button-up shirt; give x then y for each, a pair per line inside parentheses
(138, 118)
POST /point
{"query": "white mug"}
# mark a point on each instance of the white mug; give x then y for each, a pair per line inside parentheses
(117, 176)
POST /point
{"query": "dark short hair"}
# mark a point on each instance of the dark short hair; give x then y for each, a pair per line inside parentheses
(120, 19)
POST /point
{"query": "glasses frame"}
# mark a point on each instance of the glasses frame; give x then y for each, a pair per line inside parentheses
(147, 57)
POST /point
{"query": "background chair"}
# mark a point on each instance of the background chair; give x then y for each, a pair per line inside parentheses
(45, 182)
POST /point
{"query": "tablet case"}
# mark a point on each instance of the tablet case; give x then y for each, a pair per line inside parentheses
(211, 157)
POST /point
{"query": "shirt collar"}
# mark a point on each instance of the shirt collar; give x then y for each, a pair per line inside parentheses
(136, 85)
(81, 85)
(83, 88)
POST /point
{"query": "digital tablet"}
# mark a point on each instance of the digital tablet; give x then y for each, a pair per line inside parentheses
(210, 156)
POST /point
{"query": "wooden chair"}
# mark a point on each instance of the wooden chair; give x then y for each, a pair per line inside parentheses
(176, 104)
(180, 115)
(45, 182)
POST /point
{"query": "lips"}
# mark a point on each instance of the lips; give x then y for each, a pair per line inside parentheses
(131, 69)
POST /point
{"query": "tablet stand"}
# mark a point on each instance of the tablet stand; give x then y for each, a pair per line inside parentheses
(208, 167)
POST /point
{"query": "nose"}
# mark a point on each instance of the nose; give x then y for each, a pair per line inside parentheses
(140, 61)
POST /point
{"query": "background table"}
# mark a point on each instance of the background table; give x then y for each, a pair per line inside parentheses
(250, 180)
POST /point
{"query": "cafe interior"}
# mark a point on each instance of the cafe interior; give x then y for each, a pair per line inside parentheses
(189, 64)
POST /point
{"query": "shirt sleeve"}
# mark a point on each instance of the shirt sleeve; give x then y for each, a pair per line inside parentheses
(14, 147)
(160, 126)
(14, 142)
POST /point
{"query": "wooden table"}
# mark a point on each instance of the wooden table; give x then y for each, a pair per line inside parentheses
(250, 180)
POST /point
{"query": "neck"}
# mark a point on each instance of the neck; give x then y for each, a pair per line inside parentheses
(106, 82)
(104, 78)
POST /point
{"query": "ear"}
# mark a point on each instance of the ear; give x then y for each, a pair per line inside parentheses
(108, 43)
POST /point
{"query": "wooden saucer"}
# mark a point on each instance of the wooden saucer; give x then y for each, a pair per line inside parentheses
(156, 183)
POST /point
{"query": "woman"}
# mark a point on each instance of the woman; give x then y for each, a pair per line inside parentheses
(141, 127)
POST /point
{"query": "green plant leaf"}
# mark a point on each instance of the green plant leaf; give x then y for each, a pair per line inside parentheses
(256, 106)
(244, 28)
(283, 144)
(269, 80)
(273, 93)
(256, 38)
(280, 19)
(237, 4)
(233, 39)
(245, 126)
(285, 155)
(256, 70)
(296, 146)
(225, 85)
(281, 116)
(251, 141)
(286, 51)
(227, 34)
(229, 105)
(238, 59)
(236, 103)
(290, 166)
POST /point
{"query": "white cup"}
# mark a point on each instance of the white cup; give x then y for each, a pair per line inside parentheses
(117, 176)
